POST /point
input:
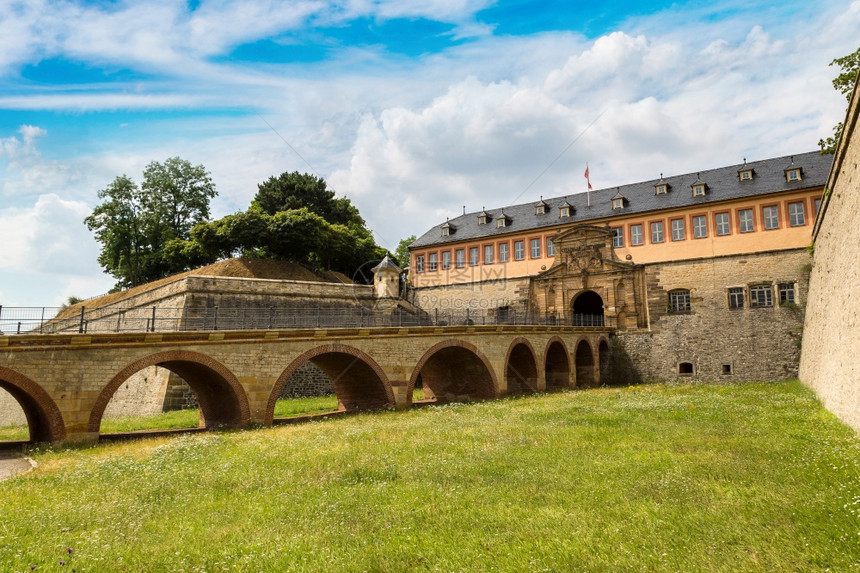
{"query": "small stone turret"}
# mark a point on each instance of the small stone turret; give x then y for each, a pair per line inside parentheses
(386, 279)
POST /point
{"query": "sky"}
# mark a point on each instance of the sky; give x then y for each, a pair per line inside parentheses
(411, 109)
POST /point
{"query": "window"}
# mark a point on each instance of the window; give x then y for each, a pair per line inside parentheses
(796, 214)
(657, 232)
(519, 250)
(446, 260)
(473, 256)
(503, 252)
(488, 254)
(482, 219)
(736, 297)
(678, 231)
(793, 174)
(433, 261)
(745, 221)
(661, 189)
(685, 368)
(501, 222)
(564, 212)
(461, 258)
(700, 226)
(540, 209)
(679, 300)
(636, 238)
(817, 206)
(727, 369)
(618, 237)
(761, 296)
(786, 293)
(722, 223)
(550, 247)
(699, 190)
(419, 264)
(446, 231)
(745, 175)
(771, 217)
(535, 248)
(618, 203)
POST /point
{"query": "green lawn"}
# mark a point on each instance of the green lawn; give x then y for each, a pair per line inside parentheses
(754, 477)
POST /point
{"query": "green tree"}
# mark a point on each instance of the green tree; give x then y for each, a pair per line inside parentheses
(844, 84)
(141, 227)
(402, 252)
(297, 190)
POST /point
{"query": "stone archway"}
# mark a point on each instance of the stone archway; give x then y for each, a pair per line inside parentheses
(454, 370)
(557, 365)
(44, 420)
(358, 381)
(587, 309)
(221, 398)
(521, 373)
(584, 365)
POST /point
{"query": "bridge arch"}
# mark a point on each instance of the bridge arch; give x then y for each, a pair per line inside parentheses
(221, 398)
(44, 420)
(584, 362)
(521, 368)
(603, 356)
(557, 364)
(349, 369)
(454, 370)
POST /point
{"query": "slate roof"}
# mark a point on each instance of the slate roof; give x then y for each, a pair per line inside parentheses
(722, 184)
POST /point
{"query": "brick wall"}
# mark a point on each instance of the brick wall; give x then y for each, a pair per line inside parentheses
(830, 362)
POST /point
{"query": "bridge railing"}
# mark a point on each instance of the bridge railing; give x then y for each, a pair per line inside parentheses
(60, 320)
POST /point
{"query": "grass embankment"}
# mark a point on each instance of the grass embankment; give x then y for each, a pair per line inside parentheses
(751, 477)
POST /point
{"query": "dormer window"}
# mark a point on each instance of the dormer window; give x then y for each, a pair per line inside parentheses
(564, 212)
(502, 221)
(745, 175)
(661, 189)
(448, 229)
(793, 174)
(540, 207)
(483, 217)
(618, 201)
(699, 189)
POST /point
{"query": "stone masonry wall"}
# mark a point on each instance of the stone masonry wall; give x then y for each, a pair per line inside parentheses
(480, 298)
(720, 343)
(830, 361)
(11, 413)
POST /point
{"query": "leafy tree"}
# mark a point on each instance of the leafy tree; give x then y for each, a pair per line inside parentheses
(402, 252)
(139, 226)
(297, 190)
(844, 84)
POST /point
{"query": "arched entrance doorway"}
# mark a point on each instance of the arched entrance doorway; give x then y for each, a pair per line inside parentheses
(584, 365)
(587, 309)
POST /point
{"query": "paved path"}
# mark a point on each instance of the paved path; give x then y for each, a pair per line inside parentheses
(12, 464)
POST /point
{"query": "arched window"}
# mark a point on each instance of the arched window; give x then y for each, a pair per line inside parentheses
(679, 301)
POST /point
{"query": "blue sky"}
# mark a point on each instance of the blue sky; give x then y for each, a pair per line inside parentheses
(410, 108)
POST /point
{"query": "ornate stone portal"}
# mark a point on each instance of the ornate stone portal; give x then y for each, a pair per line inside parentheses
(588, 284)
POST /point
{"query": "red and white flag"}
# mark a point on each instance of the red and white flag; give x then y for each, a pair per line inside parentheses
(587, 178)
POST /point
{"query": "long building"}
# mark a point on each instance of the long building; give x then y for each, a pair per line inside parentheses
(703, 275)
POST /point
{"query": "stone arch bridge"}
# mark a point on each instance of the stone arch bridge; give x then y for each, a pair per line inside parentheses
(64, 382)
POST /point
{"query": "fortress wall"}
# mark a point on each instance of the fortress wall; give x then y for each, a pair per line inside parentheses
(481, 298)
(721, 343)
(830, 360)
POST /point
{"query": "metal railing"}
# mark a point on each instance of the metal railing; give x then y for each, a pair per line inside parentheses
(57, 320)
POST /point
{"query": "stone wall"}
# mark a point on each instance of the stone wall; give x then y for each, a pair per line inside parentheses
(714, 342)
(11, 413)
(141, 395)
(830, 361)
(481, 299)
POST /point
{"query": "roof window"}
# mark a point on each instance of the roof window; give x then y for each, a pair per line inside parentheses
(619, 201)
(662, 187)
(540, 207)
(700, 189)
(502, 221)
(793, 172)
(448, 229)
(483, 217)
(566, 210)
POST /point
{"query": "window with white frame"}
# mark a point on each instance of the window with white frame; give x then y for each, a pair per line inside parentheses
(792, 174)
(460, 257)
(679, 300)
(761, 296)
(699, 190)
(796, 214)
(721, 221)
(419, 264)
(817, 206)
(503, 252)
(519, 250)
(746, 223)
(618, 237)
(736, 297)
(700, 226)
(636, 235)
(657, 232)
(473, 256)
(446, 260)
(770, 214)
(488, 254)
(564, 212)
(550, 247)
(535, 248)
(433, 262)
(678, 231)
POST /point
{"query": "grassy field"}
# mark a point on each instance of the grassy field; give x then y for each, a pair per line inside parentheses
(754, 477)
